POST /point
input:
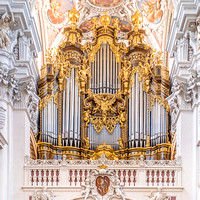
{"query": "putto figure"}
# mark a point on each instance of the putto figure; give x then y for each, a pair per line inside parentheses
(6, 22)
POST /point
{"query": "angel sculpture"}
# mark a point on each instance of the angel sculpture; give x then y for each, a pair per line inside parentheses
(5, 24)
(44, 195)
(118, 190)
(86, 189)
(158, 195)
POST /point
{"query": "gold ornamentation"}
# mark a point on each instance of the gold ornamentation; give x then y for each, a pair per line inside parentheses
(160, 100)
(137, 20)
(148, 141)
(121, 144)
(84, 74)
(124, 73)
(105, 19)
(102, 167)
(87, 143)
(73, 16)
(106, 150)
(110, 124)
(102, 108)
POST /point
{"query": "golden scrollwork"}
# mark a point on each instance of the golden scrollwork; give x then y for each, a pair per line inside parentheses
(106, 150)
(102, 107)
(110, 123)
(47, 99)
(162, 101)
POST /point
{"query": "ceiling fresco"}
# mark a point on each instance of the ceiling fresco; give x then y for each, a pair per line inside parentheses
(87, 25)
(151, 9)
(105, 3)
(155, 12)
(57, 11)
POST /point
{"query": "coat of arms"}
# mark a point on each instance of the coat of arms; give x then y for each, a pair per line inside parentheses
(102, 184)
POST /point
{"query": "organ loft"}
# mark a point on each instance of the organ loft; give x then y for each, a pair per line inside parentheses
(104, 95)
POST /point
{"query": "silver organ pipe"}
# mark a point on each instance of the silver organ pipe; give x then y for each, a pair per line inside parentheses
(97, 139)
(141, 114)
(108, 70)
(71, 114)
(49, 123)
(137, 122)
(145, 118)
(158, 124)
(105, 71)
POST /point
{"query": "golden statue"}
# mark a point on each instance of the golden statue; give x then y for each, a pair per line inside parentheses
(121, 145)
(125, 73)
(84, 74)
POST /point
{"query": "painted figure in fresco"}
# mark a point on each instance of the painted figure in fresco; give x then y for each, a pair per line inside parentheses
(153, 10)
(5, 24)
(58, 8)
(105, 3)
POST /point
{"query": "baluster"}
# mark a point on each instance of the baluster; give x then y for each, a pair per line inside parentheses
(42, 177)
(129, 177)
(134, 175)
(57, 177)
(80, 177)
(31, 177)
(148, 177)
(52, 177)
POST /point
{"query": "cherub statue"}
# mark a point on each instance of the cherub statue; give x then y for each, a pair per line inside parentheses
(118, 190)
(44, 195)
(5, 24)
(86, 189)
(159, 195)
(87, 143)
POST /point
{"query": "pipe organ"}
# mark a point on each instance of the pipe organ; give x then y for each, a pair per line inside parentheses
(104, 97)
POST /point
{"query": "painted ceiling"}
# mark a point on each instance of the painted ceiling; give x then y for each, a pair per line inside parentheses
(155, 12)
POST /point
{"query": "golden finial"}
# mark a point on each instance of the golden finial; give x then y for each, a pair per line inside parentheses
(105, 19)
(137, 20)
(73, 15)
(102, 166)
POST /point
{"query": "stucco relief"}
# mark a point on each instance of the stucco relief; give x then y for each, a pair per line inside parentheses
(102, 184)
(43, 194)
